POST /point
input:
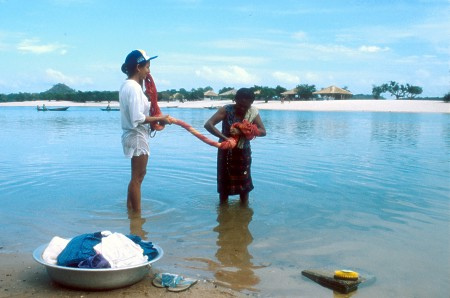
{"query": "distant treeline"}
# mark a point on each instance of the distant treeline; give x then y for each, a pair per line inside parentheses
(60, 92)
(79, 96)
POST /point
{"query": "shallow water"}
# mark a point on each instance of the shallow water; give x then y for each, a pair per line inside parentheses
(365, 191)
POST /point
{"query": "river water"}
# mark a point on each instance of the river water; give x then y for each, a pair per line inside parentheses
(333, 190)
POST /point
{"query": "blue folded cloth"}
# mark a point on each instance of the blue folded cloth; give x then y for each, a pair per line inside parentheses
(95, 262)
(149, 251)
(79, 249)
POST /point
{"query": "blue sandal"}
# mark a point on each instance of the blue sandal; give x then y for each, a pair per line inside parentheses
(173, 282)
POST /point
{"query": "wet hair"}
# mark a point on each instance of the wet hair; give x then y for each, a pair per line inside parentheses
(244, 94)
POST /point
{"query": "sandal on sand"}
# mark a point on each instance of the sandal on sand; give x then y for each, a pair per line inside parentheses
(173, 282)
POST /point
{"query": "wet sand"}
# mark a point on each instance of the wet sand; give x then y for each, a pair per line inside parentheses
(21, 276)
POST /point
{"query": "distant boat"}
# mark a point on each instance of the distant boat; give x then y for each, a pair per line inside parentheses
(44, 108)
(108, 109)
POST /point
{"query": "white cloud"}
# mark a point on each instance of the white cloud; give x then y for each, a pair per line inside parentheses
(308, 51)
(300, 35)
(311, 77)
(286, 78)
(372, 49)
(228, 75)
(58, 77)
(33, 46)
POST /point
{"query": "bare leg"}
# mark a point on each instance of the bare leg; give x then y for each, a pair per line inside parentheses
(244, 197)
(136, 224)
(138, 171)
(223, 198)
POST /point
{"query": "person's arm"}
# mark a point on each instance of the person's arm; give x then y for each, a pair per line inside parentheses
(210, 125)
(258, 122)
(165, 119)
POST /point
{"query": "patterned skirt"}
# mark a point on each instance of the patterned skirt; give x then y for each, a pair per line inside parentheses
(233, 171)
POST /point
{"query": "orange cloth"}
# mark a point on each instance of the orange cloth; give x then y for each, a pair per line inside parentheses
(249, 130)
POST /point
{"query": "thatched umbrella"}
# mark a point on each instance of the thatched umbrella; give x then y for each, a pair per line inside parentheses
(229, 92)
(289, 92)
(335, 92)
(210, 93)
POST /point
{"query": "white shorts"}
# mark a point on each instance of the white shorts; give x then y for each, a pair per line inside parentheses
(135, 143)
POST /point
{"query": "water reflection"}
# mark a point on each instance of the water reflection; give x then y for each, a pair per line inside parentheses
(446, 134)
(395, 130)
(234, 237)
(234, 268)
(137, 224)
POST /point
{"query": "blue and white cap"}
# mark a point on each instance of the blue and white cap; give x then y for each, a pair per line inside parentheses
(134, 58)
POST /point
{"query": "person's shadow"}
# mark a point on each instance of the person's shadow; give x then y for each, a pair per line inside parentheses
(136, 224)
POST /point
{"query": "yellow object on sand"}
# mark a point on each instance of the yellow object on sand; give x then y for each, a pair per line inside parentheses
(346, 275)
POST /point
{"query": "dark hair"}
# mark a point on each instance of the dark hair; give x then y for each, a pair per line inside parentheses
(130, 68)
(244, 94)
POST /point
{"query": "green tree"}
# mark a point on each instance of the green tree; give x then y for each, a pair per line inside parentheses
(413, 91)
(397, 90)
(225, 89)
(198, 94)
(279, 90)
(164, 96)
(378, 90)
(61, 89)
(305, 91)
(265, 93)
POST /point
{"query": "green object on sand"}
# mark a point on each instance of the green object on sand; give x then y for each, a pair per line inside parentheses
(327, 279)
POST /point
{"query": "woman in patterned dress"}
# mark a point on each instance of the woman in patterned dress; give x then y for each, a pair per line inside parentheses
(234, 165)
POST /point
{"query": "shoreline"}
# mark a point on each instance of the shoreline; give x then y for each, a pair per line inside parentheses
(349, 105)
(22, 276)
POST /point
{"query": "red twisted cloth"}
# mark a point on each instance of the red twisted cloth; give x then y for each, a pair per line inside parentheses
(249, 130)
(152, 94)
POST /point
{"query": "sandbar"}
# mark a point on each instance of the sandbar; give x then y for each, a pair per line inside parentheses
(349, 105)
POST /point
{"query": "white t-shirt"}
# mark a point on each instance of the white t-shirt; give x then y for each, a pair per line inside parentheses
(134, 106)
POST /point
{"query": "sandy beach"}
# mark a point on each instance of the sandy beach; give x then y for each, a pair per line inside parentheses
(21, 276)
(352, 105)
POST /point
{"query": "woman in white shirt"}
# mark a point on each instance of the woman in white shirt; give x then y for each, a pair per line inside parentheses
(134, 109)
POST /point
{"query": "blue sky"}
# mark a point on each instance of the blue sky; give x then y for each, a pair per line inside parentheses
(357, 44)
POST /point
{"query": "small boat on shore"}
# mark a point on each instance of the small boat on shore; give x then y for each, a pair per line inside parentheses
(108, 109)
(44, 108)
